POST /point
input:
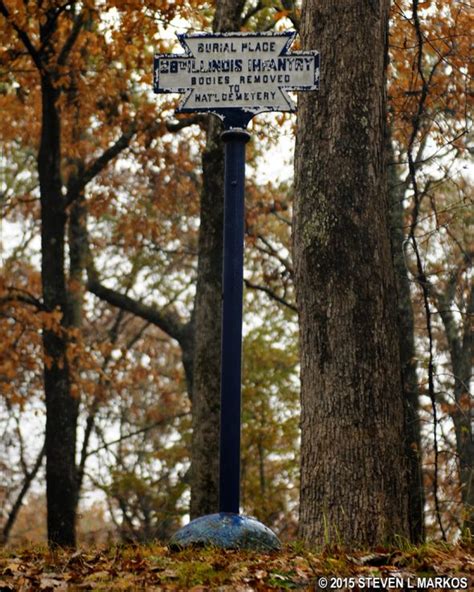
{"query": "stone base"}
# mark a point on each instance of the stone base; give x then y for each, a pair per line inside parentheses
(226, 531)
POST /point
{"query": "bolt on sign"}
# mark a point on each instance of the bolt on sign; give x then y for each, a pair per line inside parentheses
(236, 75)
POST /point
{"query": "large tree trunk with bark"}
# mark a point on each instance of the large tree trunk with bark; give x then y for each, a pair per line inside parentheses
(353, 475)
(397, 187)
(207, 307)
(61, 407)
(207, 342)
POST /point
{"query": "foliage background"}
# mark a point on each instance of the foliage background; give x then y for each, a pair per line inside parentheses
(142, 210)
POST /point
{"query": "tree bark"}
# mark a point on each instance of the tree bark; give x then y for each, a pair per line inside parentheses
(460, 341)
(407, 354)
(77, 241)
(207, 337)
(463, 418)
(207, 306)
(61, 407)
(353, 473)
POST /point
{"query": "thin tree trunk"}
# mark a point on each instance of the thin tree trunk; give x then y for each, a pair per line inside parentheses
(461, 348)
(353, 473)
(207, 307)
(61, 407)
(75, 294)
(407, 355)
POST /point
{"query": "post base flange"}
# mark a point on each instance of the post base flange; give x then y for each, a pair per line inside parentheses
(226, 531)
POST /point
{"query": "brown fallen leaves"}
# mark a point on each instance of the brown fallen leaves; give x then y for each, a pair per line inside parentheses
(153, 567)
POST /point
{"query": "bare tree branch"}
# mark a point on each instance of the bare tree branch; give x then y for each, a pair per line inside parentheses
(167, 322)
(142, 430)
(271, 294)
(251, 12)
(29, 477)
(20, 295)
(176, 126)
(77, 185)
(31, 49)
(292, 13)
(270, 250)
(71, 40)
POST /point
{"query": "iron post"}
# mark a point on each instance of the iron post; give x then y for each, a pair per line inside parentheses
(235, 140)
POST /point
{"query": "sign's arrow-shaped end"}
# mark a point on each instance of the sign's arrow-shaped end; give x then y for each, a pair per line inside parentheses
(182, 38)
(308, 78)
(156, 73)
(187, 100)
(290, 35)
(288, 100)
(167, 73)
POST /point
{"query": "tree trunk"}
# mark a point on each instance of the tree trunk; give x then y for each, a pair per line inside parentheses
(207, 343)
(75, 295)
(461, 346)
(61, 407)
(463, 425)
(353, 473)
(207, 307)
(407, 355)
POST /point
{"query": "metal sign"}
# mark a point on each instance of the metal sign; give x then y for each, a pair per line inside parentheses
(228, 72)
(234, 76)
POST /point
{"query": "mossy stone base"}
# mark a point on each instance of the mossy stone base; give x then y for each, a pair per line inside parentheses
(226, 531)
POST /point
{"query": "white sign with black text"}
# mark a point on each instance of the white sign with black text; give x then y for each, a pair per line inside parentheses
(250, 72)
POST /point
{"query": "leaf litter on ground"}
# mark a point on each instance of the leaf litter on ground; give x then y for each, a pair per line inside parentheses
(153, 567)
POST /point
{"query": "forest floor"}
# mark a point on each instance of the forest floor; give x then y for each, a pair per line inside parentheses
(153, 567)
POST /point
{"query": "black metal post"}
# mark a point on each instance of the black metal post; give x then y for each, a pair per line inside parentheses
(234, 207)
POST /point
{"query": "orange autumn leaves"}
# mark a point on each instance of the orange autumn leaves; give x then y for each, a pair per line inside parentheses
(99, 55)
(429, 52)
